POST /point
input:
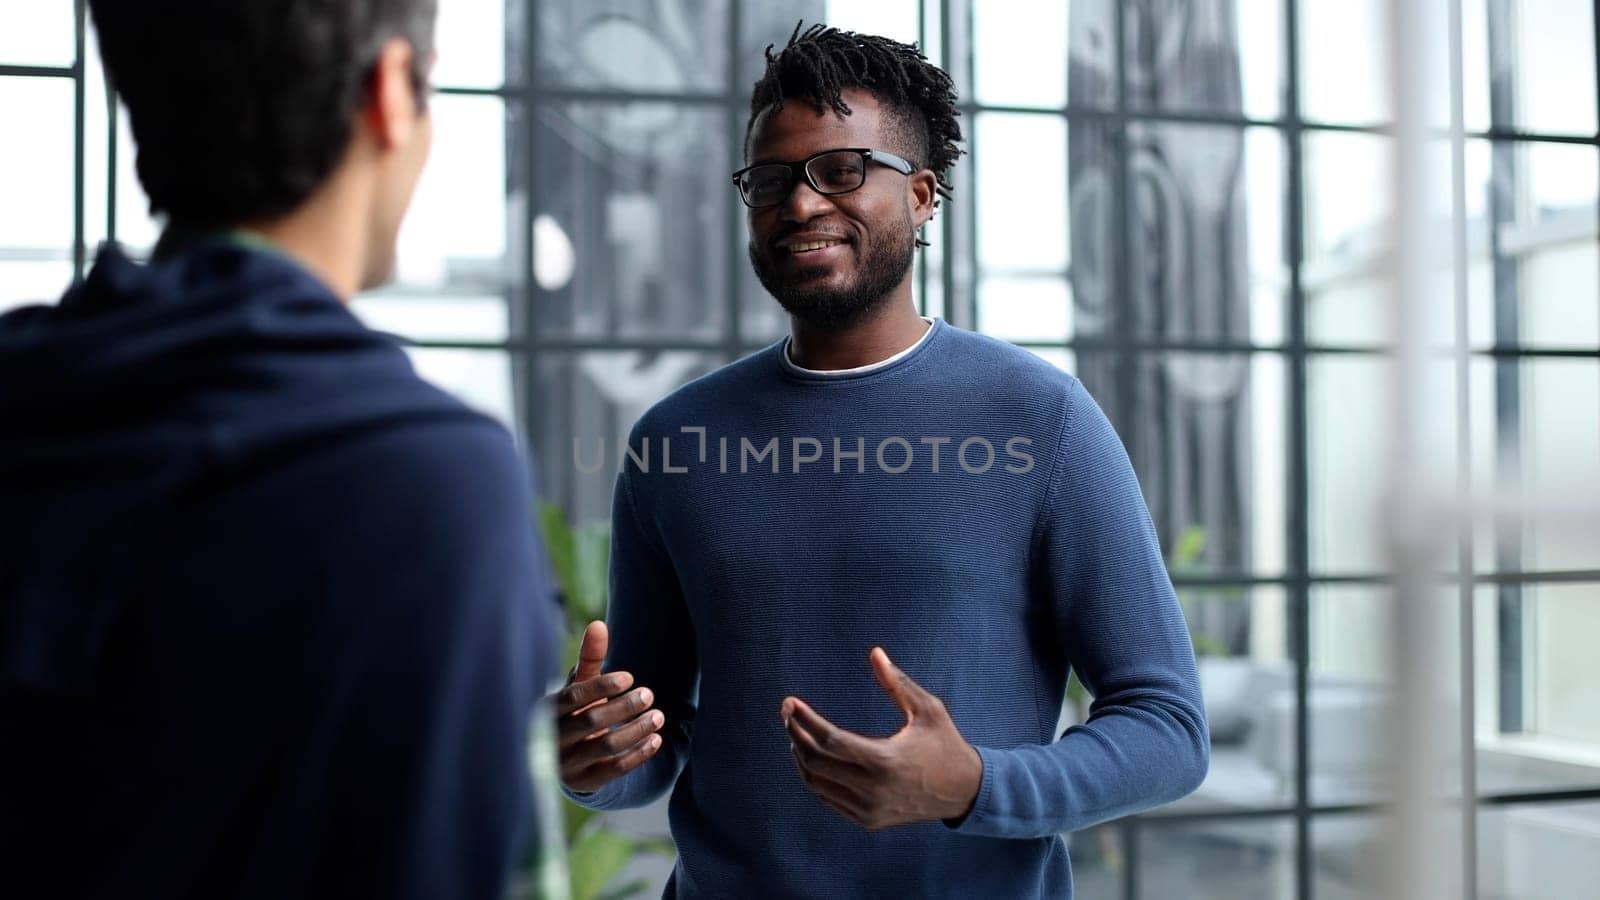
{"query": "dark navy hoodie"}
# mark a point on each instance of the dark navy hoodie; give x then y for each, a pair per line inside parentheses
(273, 613)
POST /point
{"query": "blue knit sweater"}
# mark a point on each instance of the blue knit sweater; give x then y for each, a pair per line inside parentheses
(968, 508)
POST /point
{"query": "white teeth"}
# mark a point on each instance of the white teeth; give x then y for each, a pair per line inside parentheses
(812, 245)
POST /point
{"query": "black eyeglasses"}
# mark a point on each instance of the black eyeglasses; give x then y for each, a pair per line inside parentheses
(829, 172)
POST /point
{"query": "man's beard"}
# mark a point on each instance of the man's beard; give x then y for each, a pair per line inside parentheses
(830, 308)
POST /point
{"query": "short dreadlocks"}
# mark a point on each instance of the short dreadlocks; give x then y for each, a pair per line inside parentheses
(821, 62)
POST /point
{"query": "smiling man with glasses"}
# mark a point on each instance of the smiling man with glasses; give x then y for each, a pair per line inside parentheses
(847, 666)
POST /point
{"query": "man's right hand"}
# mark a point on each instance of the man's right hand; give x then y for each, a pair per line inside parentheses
(604, 730)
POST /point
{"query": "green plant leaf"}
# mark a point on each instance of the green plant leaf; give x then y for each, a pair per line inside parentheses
(1076, 692)
(1186, 552)
(558, 542)
(591, 559)
(574, 818)
(627, 891)
(595, 859)
(659, 846)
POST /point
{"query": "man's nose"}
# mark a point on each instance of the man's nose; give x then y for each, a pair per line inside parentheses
(804, 203)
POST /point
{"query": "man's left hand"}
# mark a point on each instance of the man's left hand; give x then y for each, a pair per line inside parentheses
(925, 771)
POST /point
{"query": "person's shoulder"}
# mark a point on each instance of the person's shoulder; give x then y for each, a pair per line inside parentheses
(435, 515)
(450, 460)
(999, 368)
(995, 356)
(408, 465)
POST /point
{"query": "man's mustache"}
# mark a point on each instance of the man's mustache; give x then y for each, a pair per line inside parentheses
(776, 240)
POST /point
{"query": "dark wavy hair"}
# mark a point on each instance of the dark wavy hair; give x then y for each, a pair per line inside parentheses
(241, 108)
(821, 62)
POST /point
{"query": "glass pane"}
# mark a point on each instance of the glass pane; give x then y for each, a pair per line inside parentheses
(635, 197)
(25, 282)
(479, 378)
(1538, 727)
(1344, 61)
(626, 45)
(1347, 421)
(38, 33)
(36, 211)
(1096, 233)
(136, 230)
(1065, 360)
(1044, 54)
(1346, 851)
(1539, 851)
(1020, 160)
(454, 271)
(1474, 66)
(763, 22)
(1353, 689)
(1206, 433)
(894, 19)
(1536, 435)
(455, 231)
(1348, 195)
(1207, 256)
(1237, 860)
(1020, 308)
(1240, 641)
(587, 404)
(428, 316)
(1206, 56)
(1551, 65)
(1565, 627)
(1545, 238)
(929, 273)
(1557, 288)
(1098, 861)
(933, 33)
(1480, 265)
(471, 42)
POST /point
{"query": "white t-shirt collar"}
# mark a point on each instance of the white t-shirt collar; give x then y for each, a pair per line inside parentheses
(858, 370)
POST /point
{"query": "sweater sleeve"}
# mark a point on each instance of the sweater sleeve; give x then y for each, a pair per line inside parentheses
(652, 638)
(1118, 620)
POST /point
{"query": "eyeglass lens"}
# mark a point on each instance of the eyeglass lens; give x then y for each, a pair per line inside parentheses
(830, 173)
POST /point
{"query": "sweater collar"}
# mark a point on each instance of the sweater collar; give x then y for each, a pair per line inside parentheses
(899, 359)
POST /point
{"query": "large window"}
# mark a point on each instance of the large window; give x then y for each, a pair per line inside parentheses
(1183, 202)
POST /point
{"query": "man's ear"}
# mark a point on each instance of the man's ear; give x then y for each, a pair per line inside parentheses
(924, 186)
(392, 104)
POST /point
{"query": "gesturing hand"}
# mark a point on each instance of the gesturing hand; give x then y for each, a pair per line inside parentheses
(925, 771)
(604, 731)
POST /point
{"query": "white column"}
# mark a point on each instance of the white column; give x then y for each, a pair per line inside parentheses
(1424, 852)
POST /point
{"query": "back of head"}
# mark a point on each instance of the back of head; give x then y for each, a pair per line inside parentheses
(242, 108)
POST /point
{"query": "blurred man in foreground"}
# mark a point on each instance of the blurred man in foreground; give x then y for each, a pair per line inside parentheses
(275, 617)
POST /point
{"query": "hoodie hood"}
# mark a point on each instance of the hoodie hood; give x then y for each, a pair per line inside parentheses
(148, 384)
